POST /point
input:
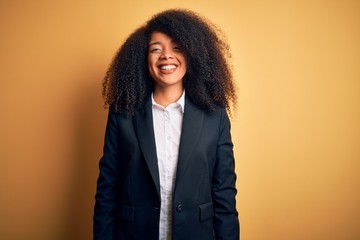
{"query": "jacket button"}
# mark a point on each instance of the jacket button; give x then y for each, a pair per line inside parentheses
(179, 208)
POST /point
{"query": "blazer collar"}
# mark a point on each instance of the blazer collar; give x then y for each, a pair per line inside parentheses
(190, 135)
(146, 137)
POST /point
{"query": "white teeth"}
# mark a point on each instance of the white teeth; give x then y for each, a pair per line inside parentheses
(167, 67)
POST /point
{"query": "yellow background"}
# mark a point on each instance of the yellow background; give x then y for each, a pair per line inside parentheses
(296, 131)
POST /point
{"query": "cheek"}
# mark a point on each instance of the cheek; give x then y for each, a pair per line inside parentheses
(151, 71)
(150, 66)
(184, 65)
(184, 62)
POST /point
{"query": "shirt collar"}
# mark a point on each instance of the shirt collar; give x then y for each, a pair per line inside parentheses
(180, 101)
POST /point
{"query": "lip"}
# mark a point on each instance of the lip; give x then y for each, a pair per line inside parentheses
(170, 69)
(165, 64)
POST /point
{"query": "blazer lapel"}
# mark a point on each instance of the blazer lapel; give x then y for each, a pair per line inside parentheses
(191, 129)
(146, 137)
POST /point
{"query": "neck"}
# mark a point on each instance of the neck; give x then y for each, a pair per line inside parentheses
(166, 96)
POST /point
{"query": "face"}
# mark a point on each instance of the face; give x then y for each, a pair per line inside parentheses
(166, 61)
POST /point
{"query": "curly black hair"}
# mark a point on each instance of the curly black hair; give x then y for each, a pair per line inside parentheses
(208, 81)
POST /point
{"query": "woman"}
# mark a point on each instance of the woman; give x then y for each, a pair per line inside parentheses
(168, 168)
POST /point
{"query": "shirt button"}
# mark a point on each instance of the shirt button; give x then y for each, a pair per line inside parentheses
(179, 208)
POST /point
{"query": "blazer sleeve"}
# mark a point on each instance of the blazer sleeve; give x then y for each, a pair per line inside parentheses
(226, 223)
(107, 183)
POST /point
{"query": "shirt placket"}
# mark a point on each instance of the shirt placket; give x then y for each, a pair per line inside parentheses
(167, 117)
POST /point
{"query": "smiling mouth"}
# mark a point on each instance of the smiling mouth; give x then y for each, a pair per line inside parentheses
(167, 67)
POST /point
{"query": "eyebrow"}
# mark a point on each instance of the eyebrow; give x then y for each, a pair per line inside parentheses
(158, 42)
(154, 43)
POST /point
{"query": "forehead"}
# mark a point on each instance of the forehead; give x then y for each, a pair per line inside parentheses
(160, 38)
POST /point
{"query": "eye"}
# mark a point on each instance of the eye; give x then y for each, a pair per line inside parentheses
(177, 48)
(154, 49)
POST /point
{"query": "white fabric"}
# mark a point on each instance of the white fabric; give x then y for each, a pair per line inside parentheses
(167, 127)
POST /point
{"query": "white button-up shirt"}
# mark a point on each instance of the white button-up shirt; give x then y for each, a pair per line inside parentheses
(167, 127)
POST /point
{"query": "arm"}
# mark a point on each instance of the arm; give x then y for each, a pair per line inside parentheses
(226, 223)
(107, 183)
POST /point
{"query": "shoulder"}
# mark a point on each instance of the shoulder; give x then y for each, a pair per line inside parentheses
(124, 116)
(218, 110)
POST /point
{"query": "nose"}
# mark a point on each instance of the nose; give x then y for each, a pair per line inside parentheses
(166, 54)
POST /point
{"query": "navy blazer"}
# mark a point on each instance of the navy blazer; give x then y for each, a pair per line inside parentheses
(128, 190)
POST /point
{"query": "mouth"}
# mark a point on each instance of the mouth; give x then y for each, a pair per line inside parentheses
(167, 68)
